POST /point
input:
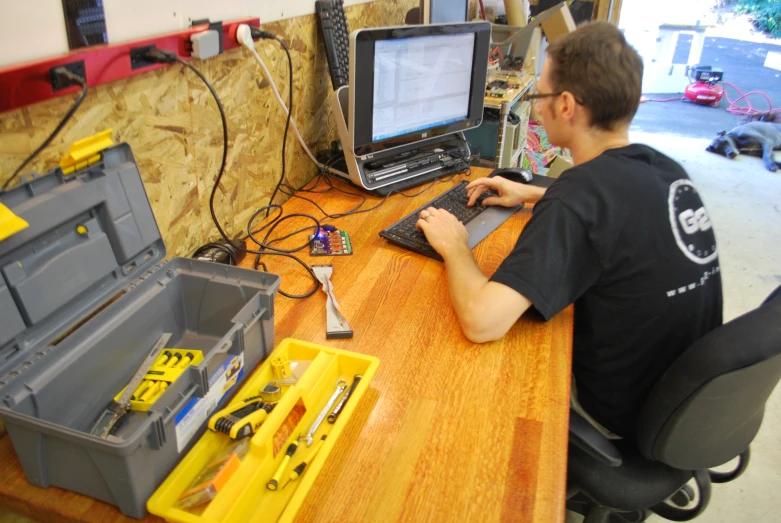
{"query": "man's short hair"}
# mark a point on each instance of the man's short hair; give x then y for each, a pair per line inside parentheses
(604, 73)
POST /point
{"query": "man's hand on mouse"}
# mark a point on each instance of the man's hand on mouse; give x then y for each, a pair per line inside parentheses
(510, 193)
(443, 231)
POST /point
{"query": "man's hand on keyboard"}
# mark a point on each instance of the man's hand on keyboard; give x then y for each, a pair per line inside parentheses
(509, 193)
(443, 231)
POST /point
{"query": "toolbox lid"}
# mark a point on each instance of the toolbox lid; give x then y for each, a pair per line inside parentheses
(90, 235)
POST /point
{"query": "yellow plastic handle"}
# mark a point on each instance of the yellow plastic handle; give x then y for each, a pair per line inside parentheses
(10, 223)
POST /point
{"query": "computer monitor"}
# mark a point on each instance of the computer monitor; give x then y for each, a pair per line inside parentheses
(444, 11)
(412, 83)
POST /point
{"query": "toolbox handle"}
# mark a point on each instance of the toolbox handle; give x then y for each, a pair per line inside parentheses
(226, 342)
(225, 346)
(263, 439)
(185, 397)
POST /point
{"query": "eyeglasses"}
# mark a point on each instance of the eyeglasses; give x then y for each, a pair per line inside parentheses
(537, 95)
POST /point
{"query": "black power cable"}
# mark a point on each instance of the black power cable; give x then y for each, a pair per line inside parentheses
(463, 167)
(228, 250)
(61, 71)
(266, 243)
(162, 56)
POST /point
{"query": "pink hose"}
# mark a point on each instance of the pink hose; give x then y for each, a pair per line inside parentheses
(746, 110)
(733, 107)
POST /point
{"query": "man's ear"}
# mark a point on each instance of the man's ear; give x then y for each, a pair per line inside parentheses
(568, 104)
(721, 133)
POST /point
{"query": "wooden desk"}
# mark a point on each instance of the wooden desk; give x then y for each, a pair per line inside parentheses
(448, 431)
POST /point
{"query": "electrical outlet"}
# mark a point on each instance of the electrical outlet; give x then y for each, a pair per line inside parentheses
(60, 82)
(106, 63)
(138, 57)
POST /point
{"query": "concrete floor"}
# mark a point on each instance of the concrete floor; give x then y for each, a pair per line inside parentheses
(744, 203)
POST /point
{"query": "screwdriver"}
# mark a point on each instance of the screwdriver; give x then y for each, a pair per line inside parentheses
(162, 359)
(160, 390)
(185, 361)
(173, 360)
(141, 389)
(274, 483)
(301, 466)
(152, 391)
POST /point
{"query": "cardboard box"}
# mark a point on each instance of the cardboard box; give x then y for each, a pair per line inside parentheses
(517, 12)
(532, 59)
(556, 22)
(558, 166)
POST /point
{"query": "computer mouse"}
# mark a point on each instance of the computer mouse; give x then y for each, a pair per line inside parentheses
(514, 174)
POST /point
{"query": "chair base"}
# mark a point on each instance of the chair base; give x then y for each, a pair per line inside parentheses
(580, 504)
(667, 511)
(724, 477)
(595, 513)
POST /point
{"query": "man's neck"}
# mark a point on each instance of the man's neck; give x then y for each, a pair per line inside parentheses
(590, 144)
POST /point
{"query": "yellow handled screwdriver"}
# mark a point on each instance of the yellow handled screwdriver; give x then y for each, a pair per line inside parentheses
(173, 361)
(151, 391)
(274, 483)
(164, 357)
(160, 390)
(301, 466)
(141, 389)
(185, 361)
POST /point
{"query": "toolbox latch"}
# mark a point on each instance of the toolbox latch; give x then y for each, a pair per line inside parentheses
(157, 436)
(86, 152)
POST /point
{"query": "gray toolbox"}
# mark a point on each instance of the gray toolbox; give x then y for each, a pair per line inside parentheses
(84, 296)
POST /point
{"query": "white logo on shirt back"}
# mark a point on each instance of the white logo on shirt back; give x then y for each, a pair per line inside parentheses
(690, 223)
(693, 221)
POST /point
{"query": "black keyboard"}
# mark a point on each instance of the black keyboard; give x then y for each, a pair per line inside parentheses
(336, 37)
(405, 234)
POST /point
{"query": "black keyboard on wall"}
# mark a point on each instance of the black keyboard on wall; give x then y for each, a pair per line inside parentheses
(336, 37)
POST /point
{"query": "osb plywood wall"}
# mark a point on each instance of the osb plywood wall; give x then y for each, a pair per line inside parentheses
(173, 126)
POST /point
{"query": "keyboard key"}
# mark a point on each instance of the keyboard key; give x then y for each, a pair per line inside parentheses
(336, 37)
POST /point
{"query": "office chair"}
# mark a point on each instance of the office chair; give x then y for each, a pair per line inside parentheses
(703, 412)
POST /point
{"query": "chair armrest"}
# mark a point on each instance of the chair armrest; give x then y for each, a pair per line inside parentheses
(583, 435)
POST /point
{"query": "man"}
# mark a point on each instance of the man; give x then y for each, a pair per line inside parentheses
(622, 234)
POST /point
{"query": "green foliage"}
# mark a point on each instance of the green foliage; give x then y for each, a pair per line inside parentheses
(766, 14)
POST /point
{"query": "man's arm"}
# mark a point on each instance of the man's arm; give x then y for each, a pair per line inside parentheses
(509, 193)
(486, 310)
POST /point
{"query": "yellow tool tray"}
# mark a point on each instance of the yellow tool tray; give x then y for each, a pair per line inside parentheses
(244, 497)
(164, 374)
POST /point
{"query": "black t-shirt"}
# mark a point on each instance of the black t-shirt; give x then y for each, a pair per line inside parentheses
(627, 239)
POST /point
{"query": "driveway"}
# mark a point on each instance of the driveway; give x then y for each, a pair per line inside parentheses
(743, 65)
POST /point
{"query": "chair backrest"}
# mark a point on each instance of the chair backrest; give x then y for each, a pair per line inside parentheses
(708, 406)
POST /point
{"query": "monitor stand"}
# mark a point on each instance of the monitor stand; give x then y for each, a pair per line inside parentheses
(400, 168)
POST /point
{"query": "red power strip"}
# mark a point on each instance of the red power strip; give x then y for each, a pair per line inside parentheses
(29, 83)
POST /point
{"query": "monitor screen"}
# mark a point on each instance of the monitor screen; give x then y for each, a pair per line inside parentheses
(414, 83)
(447, 11)
(421, 83)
